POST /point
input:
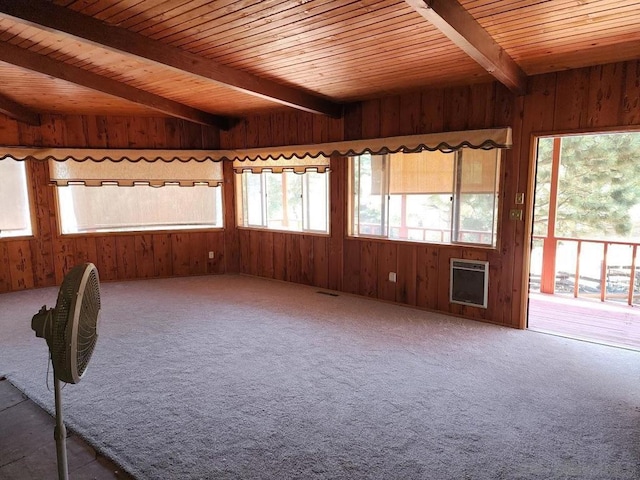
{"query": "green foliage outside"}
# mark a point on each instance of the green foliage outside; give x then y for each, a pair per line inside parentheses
(599, 186)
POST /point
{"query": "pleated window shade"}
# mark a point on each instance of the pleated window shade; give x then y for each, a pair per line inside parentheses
(479, 171)
(295, 164)
(129, 173)
(420, 173)
(434, 172)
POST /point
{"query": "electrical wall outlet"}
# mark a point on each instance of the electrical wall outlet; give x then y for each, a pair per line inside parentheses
(393, 277)
(515, 214)
(211, 255)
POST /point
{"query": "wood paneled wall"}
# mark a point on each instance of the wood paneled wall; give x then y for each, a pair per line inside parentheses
(44, 259)
(586, 99)
(589, 99)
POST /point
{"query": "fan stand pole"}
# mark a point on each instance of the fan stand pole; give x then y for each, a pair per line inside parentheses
(60, 433)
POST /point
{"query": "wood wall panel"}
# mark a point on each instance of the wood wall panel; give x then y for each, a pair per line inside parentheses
(407, 266)
(597, 97)
(229, 251)
(571, 100)
(427, 276)
(352, 265)
(162, 255)
(369, 279)
(320, 267)
(254, 259)
(307, 253)
(107, 260)
(144, 256)
(126, 256)
(85, 250)
(46, 257)
(21, 267)
(605, 93)
(42, 245)
(181, 259)
(245, 255)
(279, 256)
(265, 254)
(387, 262)
(630, 112)
(338, 212)
(5, 268)
(606, 96)
(198, 253)
(64, 257)
(293, 261)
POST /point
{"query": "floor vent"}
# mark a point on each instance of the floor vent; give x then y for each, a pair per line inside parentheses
(327, 293)
(469, 282)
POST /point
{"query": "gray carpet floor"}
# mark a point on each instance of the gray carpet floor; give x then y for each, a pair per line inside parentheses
(234, 377)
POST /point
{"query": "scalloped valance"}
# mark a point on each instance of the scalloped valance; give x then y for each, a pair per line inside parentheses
(105, 154)
(127, 173)
(444, 141)
(485, 139)
(295, 164)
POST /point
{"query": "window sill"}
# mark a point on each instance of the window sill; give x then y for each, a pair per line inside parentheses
(140, 232)
(17, 238)
(478, 246)
(292, 232)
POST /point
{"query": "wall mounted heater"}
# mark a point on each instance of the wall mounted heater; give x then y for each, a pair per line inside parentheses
(469, 282)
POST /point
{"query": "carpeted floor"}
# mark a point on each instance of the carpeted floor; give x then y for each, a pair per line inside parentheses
(233, 377)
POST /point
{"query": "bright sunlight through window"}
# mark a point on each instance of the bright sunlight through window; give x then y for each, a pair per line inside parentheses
(111, 208)
(288, 201)
(427, 196)
(15, 215)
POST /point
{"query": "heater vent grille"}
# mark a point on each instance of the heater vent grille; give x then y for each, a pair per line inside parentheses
(469, 282)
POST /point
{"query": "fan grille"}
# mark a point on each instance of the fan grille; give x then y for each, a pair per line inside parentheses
(78, 308)
(87, 330)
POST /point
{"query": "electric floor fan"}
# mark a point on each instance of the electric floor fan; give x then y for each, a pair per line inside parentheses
(71, 331)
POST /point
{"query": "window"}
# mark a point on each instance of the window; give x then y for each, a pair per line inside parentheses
(291, 195)
(426, 196)
(15, 214)
(137, 196)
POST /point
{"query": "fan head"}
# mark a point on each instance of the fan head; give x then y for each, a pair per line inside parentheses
(71, 328)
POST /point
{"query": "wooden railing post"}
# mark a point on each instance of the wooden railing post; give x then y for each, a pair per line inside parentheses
(603, 273)
(576, 280)
(632, 275)
(548, 276)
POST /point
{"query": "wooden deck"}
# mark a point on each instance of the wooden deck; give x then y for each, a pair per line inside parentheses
(591, 320)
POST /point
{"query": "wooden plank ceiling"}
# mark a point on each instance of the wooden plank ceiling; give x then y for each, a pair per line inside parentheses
(207, 61)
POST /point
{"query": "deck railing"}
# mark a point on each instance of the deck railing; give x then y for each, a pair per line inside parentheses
(604, 269)
(422, 234)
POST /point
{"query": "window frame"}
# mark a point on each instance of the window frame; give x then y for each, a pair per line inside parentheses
(138, 177)
(242, 198)
(353, 226)
(29, 191)
(138, 231)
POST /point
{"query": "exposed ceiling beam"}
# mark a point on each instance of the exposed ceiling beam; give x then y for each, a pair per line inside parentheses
(18, 112)
(461, 28)
(51, 17)
(42, 64)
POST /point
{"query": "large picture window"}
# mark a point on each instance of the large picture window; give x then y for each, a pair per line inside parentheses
(426, 196)
(137, 196)
(290, 195)
(15, 213)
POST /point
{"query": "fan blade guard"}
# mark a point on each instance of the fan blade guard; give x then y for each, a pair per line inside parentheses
(75, 323)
